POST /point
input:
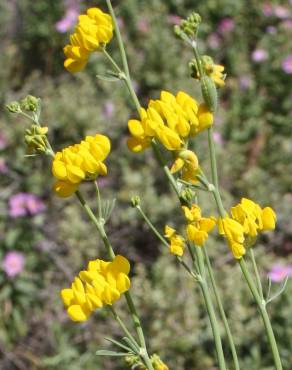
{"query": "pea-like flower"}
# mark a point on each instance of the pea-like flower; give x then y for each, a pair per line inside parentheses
(80, 162)
(94, 29)
(101, 284)
(248, 219)
(177, 242)
(170, 120)
(188, 163)
(198, 227)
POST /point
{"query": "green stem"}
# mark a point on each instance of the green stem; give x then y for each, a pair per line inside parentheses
(263, 311)
(100, 228)
(123, 326)
(257, 275)
(111, 60)
(210, 308)
(221, 310)
(213, 157)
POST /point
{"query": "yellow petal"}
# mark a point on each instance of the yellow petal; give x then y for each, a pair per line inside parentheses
(268, 218)
(137, 145)
(59, 170)
(64, 189)
(120, 264)
(67, 296)
(136, 128)
(76, 313)
(123, 283)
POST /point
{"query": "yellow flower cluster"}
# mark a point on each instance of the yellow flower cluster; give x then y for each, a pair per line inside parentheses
(198, 226)
(101, 284)
(79, 162)
(248, 219)
(170, 120)
(95, 28)
(177, 242)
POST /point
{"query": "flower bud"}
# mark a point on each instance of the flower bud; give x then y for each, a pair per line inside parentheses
(135, 201)
(209, 93)
(29, 103)
(35, 139)
(13, 107)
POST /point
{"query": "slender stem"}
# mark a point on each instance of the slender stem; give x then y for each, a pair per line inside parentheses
(262, 308)
(221, 310)
(257, 275)
(123, 326)
(210, 308)
(213, 157)
(119, 39)
(100, 227)
(152, 227)
(111, 60)
(98, 200)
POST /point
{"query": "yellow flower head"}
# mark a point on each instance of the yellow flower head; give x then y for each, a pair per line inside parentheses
(101, 284)
(95, 28)
(170, 120)
(177, 242)
(253, 218)
(79, 162)
(198, 227)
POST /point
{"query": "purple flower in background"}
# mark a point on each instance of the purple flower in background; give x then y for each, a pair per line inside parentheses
(214, 40)
(287, 24)
(267, 9)
(69, 20)
(3, 141)
(24, 204)
(278, 272)
(287, 64)
(259, 55)
(271, 29)
(281, 12)
(13, 263)
(143, 25)
(245, 82)
(218, 138)
(108, 109)
(226, 25)
(3, 166)
(173, 19)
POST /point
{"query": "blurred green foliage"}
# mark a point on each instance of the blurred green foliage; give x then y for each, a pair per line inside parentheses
(254, 156)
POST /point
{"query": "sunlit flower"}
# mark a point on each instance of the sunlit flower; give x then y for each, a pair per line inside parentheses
(176, 241)
(25, 204)
(170, 120)
(188, 163)
(198, 227)
(233, 231)
(13, 263)
(80, 162)
(101, 284)
(94, 29)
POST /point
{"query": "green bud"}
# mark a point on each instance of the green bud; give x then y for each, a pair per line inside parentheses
(29, 103)
(35, 139)
(209, 93)
(187, 195)
(135, 201)
(13, 107)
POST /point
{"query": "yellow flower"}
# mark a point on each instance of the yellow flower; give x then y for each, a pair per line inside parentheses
(101, 284)
(95, 28)
(215, 72)
(177, 242)
(170, 120)
(79, 162)
(233, 231)
(253, 218)
(198, 227)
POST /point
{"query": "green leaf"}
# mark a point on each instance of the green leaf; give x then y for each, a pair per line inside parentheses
(119, 344)
(104, 352)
